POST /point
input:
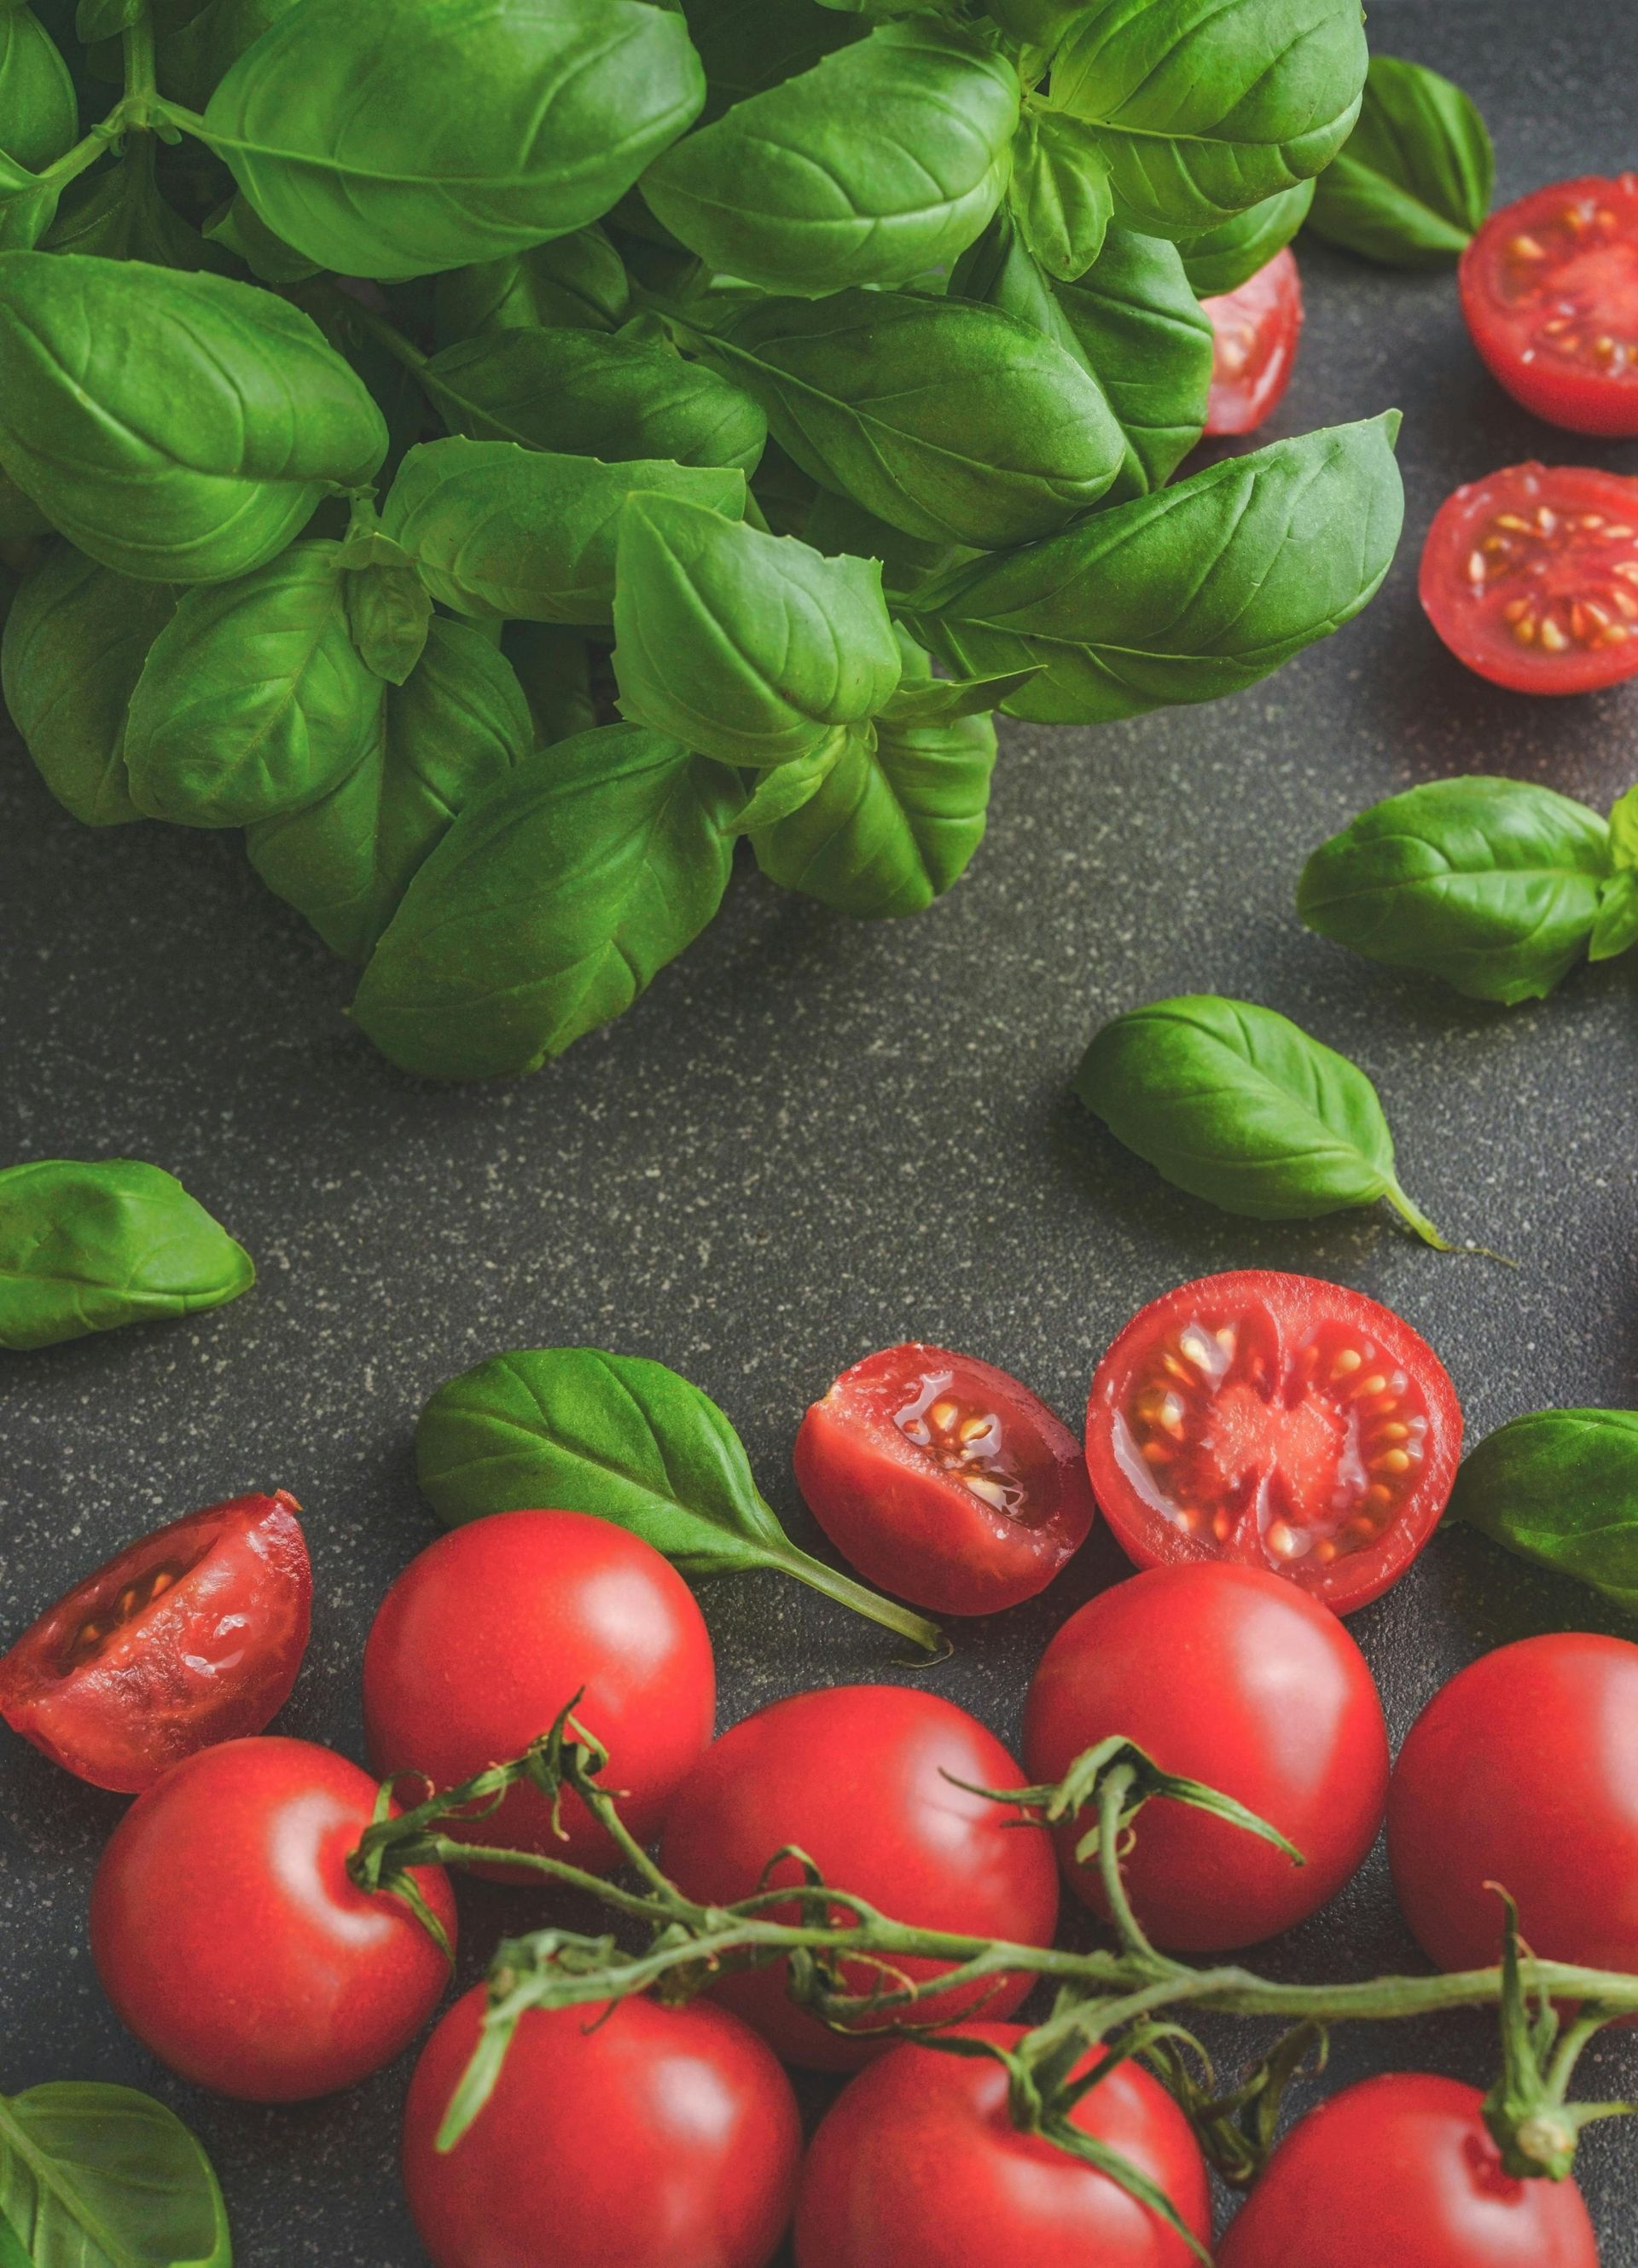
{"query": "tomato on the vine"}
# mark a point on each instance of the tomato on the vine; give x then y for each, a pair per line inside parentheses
(232, 1941)
(188, 1636)
(1275, 1422)
(1255, 330)
(943, 1480)
(1550, 290)
(866, 1779)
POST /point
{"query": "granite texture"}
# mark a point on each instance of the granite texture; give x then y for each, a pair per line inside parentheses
(813, 1137)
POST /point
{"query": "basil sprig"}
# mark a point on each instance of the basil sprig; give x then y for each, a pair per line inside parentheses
(105, 2177)
(1414, 179)
(1560, 1488)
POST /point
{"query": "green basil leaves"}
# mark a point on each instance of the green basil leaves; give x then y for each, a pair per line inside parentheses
(1560, 1488)
(105, 2177)
(1414, 179)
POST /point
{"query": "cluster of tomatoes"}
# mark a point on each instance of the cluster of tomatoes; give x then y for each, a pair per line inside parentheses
(1270, 1450)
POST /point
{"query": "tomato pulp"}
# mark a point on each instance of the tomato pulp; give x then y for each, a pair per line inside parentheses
(1550, 290)
(943, 1480)
(1275, 1422)
(189, 1635)
(1254, 341)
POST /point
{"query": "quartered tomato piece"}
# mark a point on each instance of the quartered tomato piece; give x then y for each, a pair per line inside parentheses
(1254, 344)
(1530, 578)
(191, 1636)
(1550, 291)
(1275, 1422)
(943, 1480)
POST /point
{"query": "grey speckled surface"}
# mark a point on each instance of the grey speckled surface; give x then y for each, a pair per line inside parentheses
(813, 1137)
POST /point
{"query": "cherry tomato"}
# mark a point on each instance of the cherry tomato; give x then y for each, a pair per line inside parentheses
(1524, 1771)
(1400, 2172)
(943, 1480)
(1530, 578)
(1254, 342)
(650, 2136)
(1274, 1422)
(856, 1776)
(191, 1635)
(1234, 1677)
(1550, 291)
(917, 2162)
(485, 1638)
(232, 1940)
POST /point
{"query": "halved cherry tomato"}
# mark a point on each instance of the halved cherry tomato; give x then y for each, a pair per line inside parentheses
(943, 1480)
(1550, 291)
(1530, 578)
(1276, 1422)
(1254, 341)
(189, 1635)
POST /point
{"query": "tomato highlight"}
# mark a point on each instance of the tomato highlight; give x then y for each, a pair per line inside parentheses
(1255, 330)
(1550, 291)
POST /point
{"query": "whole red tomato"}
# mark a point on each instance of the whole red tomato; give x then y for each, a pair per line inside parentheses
(232, 1940)
(495, 1628)
(656, 2138)
(1400, 2172)
(917, 2163)
(1234, 1677)
(862, 1777)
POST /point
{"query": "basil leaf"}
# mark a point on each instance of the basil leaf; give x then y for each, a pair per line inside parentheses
(1061, 193)
(1491, 884)
(486, 128)
(1624, 830)
(549, 906)
(85, 1247)
(835, 525)
(1615, 928)
(747, 46)
(193, 60)
(575, 283)
(39, 115)
(1560, 1488)
(389, 610)
(784, 191)
(553, 667)
(1039, 23)
(105, 2177)
(1415, 177)
(1237, 1105)
(1224, 257)
(629, 1440)
(75, 643)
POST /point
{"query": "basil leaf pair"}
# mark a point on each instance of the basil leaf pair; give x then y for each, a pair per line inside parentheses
(104, 2178)
(1560, 1488)
(1414, 179)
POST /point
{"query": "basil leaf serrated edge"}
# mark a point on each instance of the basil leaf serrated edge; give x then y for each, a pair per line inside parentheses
(1559, 1487)
(43, 2181)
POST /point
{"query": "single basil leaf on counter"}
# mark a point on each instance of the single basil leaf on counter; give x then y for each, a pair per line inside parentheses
(104, 2178)
(1060, 194)
(1493, 884)
(39, 114)
(1224, 257)
(85, 1247)
(553, 666)
(631, 1441)
(1414, 179)
(1560, 1488)
(1238, 1105)
(576, 282)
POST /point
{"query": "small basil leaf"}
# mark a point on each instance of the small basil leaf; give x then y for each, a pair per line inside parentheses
(1615, 929)
(39, 115)
(1239, 1106)
(1231, 253)
(575, 283)
(930, 701)
(1624, 829)
(389, 612)
(1560, 1488)
(1060, 193)
(1414, 179)
(553, 666)
(85, 1247)
(105, 2177)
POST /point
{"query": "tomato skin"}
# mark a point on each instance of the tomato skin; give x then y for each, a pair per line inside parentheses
(1255, 331)
(1234, 1677)
(1400, 2172)
(1521, 1770)
(918, 2161)
(231, 1940)
(1547, 283)
(663, 2135)
(854, 1775)
(908, 1521)
(213, 1656)
(488, 1634)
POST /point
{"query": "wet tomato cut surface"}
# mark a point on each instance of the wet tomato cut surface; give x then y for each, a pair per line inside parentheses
(189, 1635)
(1255, 331)
(1550, 291)
(944, 1480)
(1275, 1422)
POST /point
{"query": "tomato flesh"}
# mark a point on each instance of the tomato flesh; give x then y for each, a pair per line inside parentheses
(943, 1480)
(189, 1635)
(1275, 1422)
(1550, 290)
(1254, 341)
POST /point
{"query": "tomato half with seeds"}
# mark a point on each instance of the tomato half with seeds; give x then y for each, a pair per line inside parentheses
(1276, 1422)
(1530, 578)
(1550, 290)
(189, 1635)
(1255, 331)
(943, 1480)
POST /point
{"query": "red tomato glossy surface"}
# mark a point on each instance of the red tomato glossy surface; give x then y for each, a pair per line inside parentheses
(1530, 578)
(1234, 1677)
(855, 1776)
(1254, 341)
(1550, 291)
(1274, 1422)
(943, 1480)
(917, 2163)
(230, 1939)
(1400, 2172)
(189, 1635)
(495, 1628)
(1524, 1771)
(664, 2138)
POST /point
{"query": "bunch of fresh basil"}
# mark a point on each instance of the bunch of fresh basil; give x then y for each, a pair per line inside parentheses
(717, 370)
